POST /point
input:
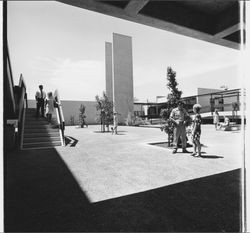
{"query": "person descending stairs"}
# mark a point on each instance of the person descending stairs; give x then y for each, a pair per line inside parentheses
(38, 133)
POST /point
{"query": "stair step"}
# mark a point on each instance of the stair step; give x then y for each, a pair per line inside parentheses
(41, 139)
(40, 126)
(34, 117)
(36, 123)
(39, 134)
(41, 145)
(31, 130)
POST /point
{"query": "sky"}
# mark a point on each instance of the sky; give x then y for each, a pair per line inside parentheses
(63, 47)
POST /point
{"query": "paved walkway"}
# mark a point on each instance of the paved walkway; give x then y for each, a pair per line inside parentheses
(108, 166)
(104, 182)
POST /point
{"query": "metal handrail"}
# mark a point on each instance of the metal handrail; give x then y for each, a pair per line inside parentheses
(22, 106)
(60, 114)
(23, 96)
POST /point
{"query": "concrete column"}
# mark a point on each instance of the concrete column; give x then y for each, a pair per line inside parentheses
(109, 72)
(123, 97)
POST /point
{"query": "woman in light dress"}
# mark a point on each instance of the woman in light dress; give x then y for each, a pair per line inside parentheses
(216, 119)
(50, 106)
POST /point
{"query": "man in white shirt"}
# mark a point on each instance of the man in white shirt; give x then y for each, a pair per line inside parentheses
(40, 100)
(178, 116)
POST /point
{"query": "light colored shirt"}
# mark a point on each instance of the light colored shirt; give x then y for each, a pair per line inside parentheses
(178, 115)
(40, 93)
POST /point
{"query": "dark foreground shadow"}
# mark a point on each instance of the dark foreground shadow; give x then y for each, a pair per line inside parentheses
(70, 141)
(41, 195)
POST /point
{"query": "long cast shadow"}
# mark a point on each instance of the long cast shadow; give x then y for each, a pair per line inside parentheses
(41, 195)
(209, 204)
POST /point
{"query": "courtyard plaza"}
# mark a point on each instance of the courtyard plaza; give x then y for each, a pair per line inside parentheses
(105, 182)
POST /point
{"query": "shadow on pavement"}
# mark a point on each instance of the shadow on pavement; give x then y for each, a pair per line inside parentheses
(211, 156)
(119, 131)
(209, 204)
(41, 195)
(70, 141)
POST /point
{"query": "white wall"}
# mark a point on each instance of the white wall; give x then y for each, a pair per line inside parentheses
(71, 108)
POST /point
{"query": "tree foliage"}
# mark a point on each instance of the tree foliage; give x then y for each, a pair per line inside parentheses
(175, 93)
(104, 106)
(175, 96)
(82, 115)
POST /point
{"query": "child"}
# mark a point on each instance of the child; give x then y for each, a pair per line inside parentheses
(50, 106)
(196, 130)
(216, 119)
(226, 123)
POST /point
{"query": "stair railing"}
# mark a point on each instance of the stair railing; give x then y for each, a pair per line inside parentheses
(22, 106)
(60, 116)
(10, 118)
(15, 103)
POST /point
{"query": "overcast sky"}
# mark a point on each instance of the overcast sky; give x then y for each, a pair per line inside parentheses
(63, 47)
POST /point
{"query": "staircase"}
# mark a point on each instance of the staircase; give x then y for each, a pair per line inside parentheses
(38, 133)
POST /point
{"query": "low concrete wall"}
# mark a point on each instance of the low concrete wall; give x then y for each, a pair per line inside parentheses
(71, 110)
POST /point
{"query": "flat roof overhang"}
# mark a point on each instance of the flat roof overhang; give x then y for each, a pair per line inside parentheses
(215, 21)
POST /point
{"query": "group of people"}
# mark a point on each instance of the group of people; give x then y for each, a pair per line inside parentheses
(44, 103)
(180, 117)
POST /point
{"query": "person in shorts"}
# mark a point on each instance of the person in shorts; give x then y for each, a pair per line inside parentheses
(196, 131)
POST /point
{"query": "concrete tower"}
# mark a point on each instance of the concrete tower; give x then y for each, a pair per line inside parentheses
(109, 70)
(123, 93)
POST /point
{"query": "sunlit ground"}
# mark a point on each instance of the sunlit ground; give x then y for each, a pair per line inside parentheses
(108, 166)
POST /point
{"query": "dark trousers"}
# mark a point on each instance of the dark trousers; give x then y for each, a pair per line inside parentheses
(40, 105)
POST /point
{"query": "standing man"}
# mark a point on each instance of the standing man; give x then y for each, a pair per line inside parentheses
(40, 100)
(178, 116)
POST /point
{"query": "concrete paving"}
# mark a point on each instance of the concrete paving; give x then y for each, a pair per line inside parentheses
(103, 182)
(108, 166)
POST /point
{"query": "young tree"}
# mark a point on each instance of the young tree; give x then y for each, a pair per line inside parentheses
(104, 107)
(175, 95)
(82, 115)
